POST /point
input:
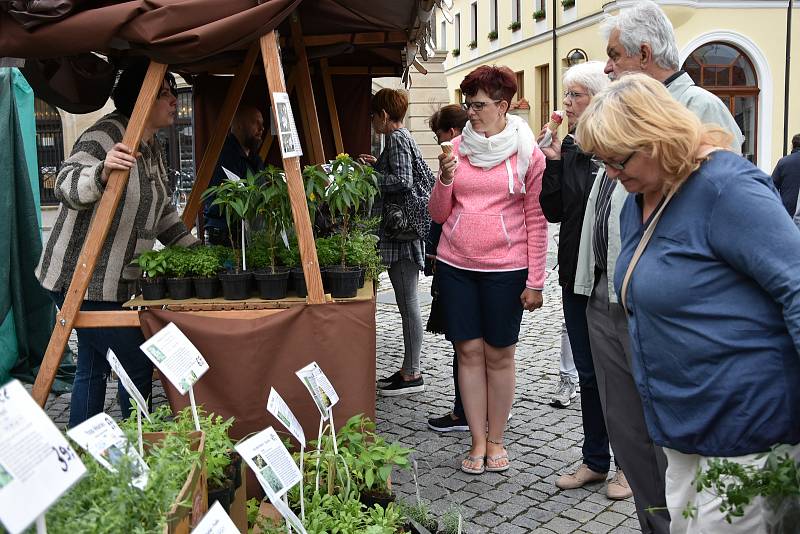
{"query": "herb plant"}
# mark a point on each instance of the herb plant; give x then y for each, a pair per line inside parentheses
(153, 263)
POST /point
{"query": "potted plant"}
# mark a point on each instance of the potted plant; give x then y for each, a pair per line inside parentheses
(452, 521)
(353, 186)
(362, 249)
(419, 517)
(515, 25)
(204, 265)
(235, 199)
(456, 52)
(271, 202)
(178, 264)
(290, 257)
(539, 14)
(492, 35)
(153, 265)
(568, 3)
(472, 45)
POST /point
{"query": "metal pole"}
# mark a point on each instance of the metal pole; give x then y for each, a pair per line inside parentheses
(786, 78)
(555, 70)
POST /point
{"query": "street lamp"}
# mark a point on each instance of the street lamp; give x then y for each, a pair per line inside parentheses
(575, 56)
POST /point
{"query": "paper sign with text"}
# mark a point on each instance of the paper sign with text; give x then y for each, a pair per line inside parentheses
(216, 521)
(37, 464)
(278, 407)
(176, 357)
(126, 382)
(101, 437)
(287, 129)
(287, 513)
(319, 387)
(267, 456)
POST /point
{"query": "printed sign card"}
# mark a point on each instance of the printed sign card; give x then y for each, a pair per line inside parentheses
(37, 463)
(278, 407)
(267, 456)
(287, 513)
(319, 387)
(106, 442)
(127, 383)
(176, 357)
(216, 521)
(287, 129)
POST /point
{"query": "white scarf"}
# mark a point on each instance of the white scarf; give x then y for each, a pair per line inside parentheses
(488, 152)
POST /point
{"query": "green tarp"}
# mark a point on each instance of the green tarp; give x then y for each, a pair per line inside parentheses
(26, 311)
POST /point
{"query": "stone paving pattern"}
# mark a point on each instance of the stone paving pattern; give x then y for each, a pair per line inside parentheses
(542, 441)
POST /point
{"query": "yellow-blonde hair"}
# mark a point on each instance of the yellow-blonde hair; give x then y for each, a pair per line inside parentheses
(637, 114)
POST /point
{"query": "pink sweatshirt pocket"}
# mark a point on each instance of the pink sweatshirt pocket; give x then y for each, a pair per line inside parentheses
(480, 236)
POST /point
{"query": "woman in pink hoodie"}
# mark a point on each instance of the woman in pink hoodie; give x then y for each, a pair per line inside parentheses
(491, 256)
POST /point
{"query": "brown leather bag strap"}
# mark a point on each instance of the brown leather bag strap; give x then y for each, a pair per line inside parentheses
(648, 233)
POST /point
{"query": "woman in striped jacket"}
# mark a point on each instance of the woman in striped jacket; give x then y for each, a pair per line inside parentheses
(145, 213)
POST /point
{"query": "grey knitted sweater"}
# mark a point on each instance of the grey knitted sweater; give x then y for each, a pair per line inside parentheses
(145, 213)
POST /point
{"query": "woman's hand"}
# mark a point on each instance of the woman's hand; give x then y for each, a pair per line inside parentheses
(119, 158)
(367, 159)
(554, 150)
(531, 299)
(447, 166)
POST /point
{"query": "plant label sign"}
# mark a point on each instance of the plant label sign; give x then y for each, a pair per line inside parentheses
(278, 407)
(106, 442)
(127, 383)
(319, 387)
(287, 514)
(176, 357)
(287, 129)
(267, 456)
(37, 464)
(216, 521)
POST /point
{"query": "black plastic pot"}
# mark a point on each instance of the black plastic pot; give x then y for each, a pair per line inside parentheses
(326, 282)
(344, 281)
(271, 283)
(221, 495)
(206, 288)
(179, 288)
(371, 499)
(153, 288)
(236, 286)
(299, 282)
(418, 528)
(362, 278)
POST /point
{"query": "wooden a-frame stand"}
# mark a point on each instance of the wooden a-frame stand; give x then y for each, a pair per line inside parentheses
(70, 316)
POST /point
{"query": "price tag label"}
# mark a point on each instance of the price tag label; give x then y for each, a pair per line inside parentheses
(37, 464)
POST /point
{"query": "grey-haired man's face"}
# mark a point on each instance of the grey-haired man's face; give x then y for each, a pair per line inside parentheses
(619, 62)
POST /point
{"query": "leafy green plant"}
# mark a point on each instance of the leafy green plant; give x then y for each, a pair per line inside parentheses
(236, 200)
(328, 249)
(204, 262)
(178, 261)
(472, 45)
(539, 14)
(515, 25)
(492, 35)
(290, 257)
(456, 52)
(362, 250)
(353, 186)
(737, 485)
(421, 513)
(153, 263)
(451, 521)
(567, 3)
(271, 201)
(316, 182)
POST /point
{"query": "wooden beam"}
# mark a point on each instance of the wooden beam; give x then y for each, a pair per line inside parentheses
(294, 178)
(362, 38)
(130, 318)
(362, 71)
(306, 92)
(335, 126)
(96, 237)
(211, 154)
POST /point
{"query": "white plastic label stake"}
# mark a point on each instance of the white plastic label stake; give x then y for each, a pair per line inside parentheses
(194, 409)
(37, 463)
(139, 429)
(126, 382)
(41, 525)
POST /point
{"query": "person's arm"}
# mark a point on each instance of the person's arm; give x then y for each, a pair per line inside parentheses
(396, 165)
(535, 223)
(749, 229)
(777, 175)
(550, 197)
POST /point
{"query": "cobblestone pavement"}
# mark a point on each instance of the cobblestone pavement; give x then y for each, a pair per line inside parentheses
(542, 441)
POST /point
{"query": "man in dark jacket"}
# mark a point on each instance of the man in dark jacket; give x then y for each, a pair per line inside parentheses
(787, 176)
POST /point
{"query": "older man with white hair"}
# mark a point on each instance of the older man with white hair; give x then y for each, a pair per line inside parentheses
(641, 39)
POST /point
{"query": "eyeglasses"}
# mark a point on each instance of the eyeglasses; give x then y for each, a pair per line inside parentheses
(617, 166)
(572, 95)
(477, 105)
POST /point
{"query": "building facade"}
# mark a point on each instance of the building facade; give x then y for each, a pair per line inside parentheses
(735, 49)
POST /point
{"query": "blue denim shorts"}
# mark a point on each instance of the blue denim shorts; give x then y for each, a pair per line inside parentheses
(481, 304)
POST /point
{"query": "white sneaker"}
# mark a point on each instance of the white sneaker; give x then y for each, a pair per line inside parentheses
(565, 392)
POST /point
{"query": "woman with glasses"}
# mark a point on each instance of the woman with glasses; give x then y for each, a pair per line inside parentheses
(491, 255)
(567, 181)
(708, 277)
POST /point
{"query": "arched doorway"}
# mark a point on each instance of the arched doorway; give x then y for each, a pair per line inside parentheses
(727, 72)
(49, 148)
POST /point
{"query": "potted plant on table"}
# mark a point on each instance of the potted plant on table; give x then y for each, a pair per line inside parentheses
(271, 202)
(235, 199)
(353, 186)
(153, 265)
(204, 265)
(178, 264)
